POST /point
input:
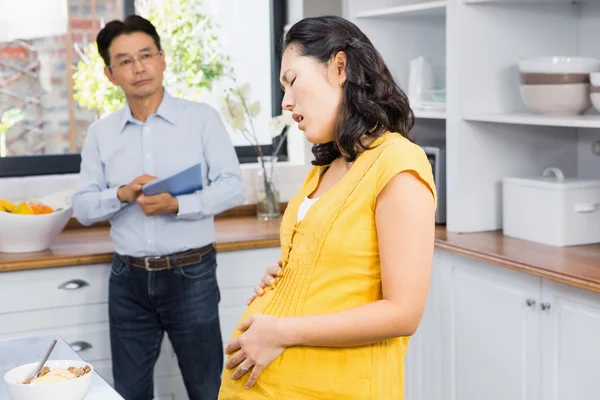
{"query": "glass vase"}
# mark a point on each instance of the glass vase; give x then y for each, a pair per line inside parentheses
(267, 194)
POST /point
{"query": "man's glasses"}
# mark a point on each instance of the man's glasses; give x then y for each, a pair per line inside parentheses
(127, 63)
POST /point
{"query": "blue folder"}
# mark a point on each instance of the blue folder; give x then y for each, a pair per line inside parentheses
(187, 181)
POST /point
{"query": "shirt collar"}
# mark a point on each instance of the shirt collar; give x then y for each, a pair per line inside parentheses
(167, 110)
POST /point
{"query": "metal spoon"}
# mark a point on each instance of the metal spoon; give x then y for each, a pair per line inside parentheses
(41, 364)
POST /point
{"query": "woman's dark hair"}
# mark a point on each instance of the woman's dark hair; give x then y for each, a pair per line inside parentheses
(372, 102)
(131, 24)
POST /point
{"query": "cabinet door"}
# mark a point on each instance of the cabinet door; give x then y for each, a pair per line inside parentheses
(571, 349)
(491, 334)
(422, 364)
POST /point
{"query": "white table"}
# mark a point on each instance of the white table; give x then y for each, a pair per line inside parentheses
(15, 352)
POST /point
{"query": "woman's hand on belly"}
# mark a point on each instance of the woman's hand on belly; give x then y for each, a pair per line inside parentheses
(256, 348)
(268, 279)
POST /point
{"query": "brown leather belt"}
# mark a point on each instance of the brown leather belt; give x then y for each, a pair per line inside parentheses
(160, 263)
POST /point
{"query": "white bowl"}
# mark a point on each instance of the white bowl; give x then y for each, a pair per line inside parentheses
(595, 79)
(557, 100)
(560, 65)
(29, 233)
(595, 98)
(75, 389)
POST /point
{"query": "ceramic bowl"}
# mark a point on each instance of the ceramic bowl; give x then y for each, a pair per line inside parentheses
(30, 233)
(557, 100)
(75, 389)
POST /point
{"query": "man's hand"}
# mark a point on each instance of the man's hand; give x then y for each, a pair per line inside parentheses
(158, 204)
(129, 193)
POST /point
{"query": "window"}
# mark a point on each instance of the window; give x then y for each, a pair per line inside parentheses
(41, 127)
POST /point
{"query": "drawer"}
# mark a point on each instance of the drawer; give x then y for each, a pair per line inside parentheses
(53, 287)
(27, 321)
(91, 342)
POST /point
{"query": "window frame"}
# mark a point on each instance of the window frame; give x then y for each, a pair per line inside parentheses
(57, 164)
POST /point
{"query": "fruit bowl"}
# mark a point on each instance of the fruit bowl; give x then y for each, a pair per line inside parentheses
(31, 226)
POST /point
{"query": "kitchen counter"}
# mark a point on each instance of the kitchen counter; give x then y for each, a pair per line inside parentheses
(578, 266)
(79, 246)
(16, 352)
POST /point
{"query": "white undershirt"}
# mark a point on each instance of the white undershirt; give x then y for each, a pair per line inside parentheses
(304, 207)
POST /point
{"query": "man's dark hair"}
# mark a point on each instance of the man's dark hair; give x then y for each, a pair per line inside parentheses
(131, 24)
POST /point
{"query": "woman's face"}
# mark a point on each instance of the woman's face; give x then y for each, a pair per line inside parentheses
(313, 92)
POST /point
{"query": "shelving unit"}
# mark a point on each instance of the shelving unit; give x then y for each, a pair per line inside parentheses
(582, 121)
(427, 9)
(474, 47)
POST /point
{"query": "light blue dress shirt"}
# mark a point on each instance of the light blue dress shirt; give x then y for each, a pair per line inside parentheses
(118, 149)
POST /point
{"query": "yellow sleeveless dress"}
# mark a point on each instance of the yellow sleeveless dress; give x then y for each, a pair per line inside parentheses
(331, 263)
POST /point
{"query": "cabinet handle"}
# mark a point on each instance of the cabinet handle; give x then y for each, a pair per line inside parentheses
(530, 302)
(545, 306)
(80, 346)
(74, 284)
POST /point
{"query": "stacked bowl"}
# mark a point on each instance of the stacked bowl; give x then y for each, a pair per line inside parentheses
(558, 86)
(595, 90)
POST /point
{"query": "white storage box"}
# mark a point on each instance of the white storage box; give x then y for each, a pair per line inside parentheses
(551, 209)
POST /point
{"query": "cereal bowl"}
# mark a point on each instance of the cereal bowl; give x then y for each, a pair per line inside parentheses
(50, 389)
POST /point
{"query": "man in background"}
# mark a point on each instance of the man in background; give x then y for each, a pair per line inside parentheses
(163, 271)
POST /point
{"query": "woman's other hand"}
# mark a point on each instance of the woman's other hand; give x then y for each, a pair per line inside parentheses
(260, 344)
(268, 279)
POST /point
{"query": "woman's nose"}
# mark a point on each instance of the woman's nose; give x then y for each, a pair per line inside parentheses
(287, 103)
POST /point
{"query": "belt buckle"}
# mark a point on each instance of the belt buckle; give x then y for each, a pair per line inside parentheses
(147, 263)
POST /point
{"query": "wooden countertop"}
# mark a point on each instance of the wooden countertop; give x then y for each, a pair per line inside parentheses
(92, 245)
(577, 266)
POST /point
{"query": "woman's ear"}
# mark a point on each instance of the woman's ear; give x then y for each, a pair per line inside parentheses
(339, 62)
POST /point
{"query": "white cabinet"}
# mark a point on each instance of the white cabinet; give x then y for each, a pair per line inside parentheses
(73, 303)
(511, 335)
(571, 349)
(491, 332)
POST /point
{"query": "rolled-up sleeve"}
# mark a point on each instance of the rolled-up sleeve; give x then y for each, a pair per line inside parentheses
(226, 185)
(93, 200)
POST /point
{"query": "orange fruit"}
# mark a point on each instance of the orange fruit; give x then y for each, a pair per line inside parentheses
(40, 208)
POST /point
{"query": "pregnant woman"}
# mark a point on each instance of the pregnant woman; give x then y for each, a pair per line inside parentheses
(357, 240)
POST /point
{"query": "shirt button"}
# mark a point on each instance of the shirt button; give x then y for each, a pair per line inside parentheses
(146, 129)
(149, 240)
(148, 156)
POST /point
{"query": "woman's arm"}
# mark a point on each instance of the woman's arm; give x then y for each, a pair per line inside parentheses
(405, 220)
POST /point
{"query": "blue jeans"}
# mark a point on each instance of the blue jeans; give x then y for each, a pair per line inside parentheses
(181, 301)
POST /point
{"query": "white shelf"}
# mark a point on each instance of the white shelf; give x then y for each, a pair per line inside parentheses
(428, 9)
(423, 114)
(517, 2)
(582, 121)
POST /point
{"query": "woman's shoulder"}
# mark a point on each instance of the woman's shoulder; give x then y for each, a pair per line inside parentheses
(398, 149)
(399, 154)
